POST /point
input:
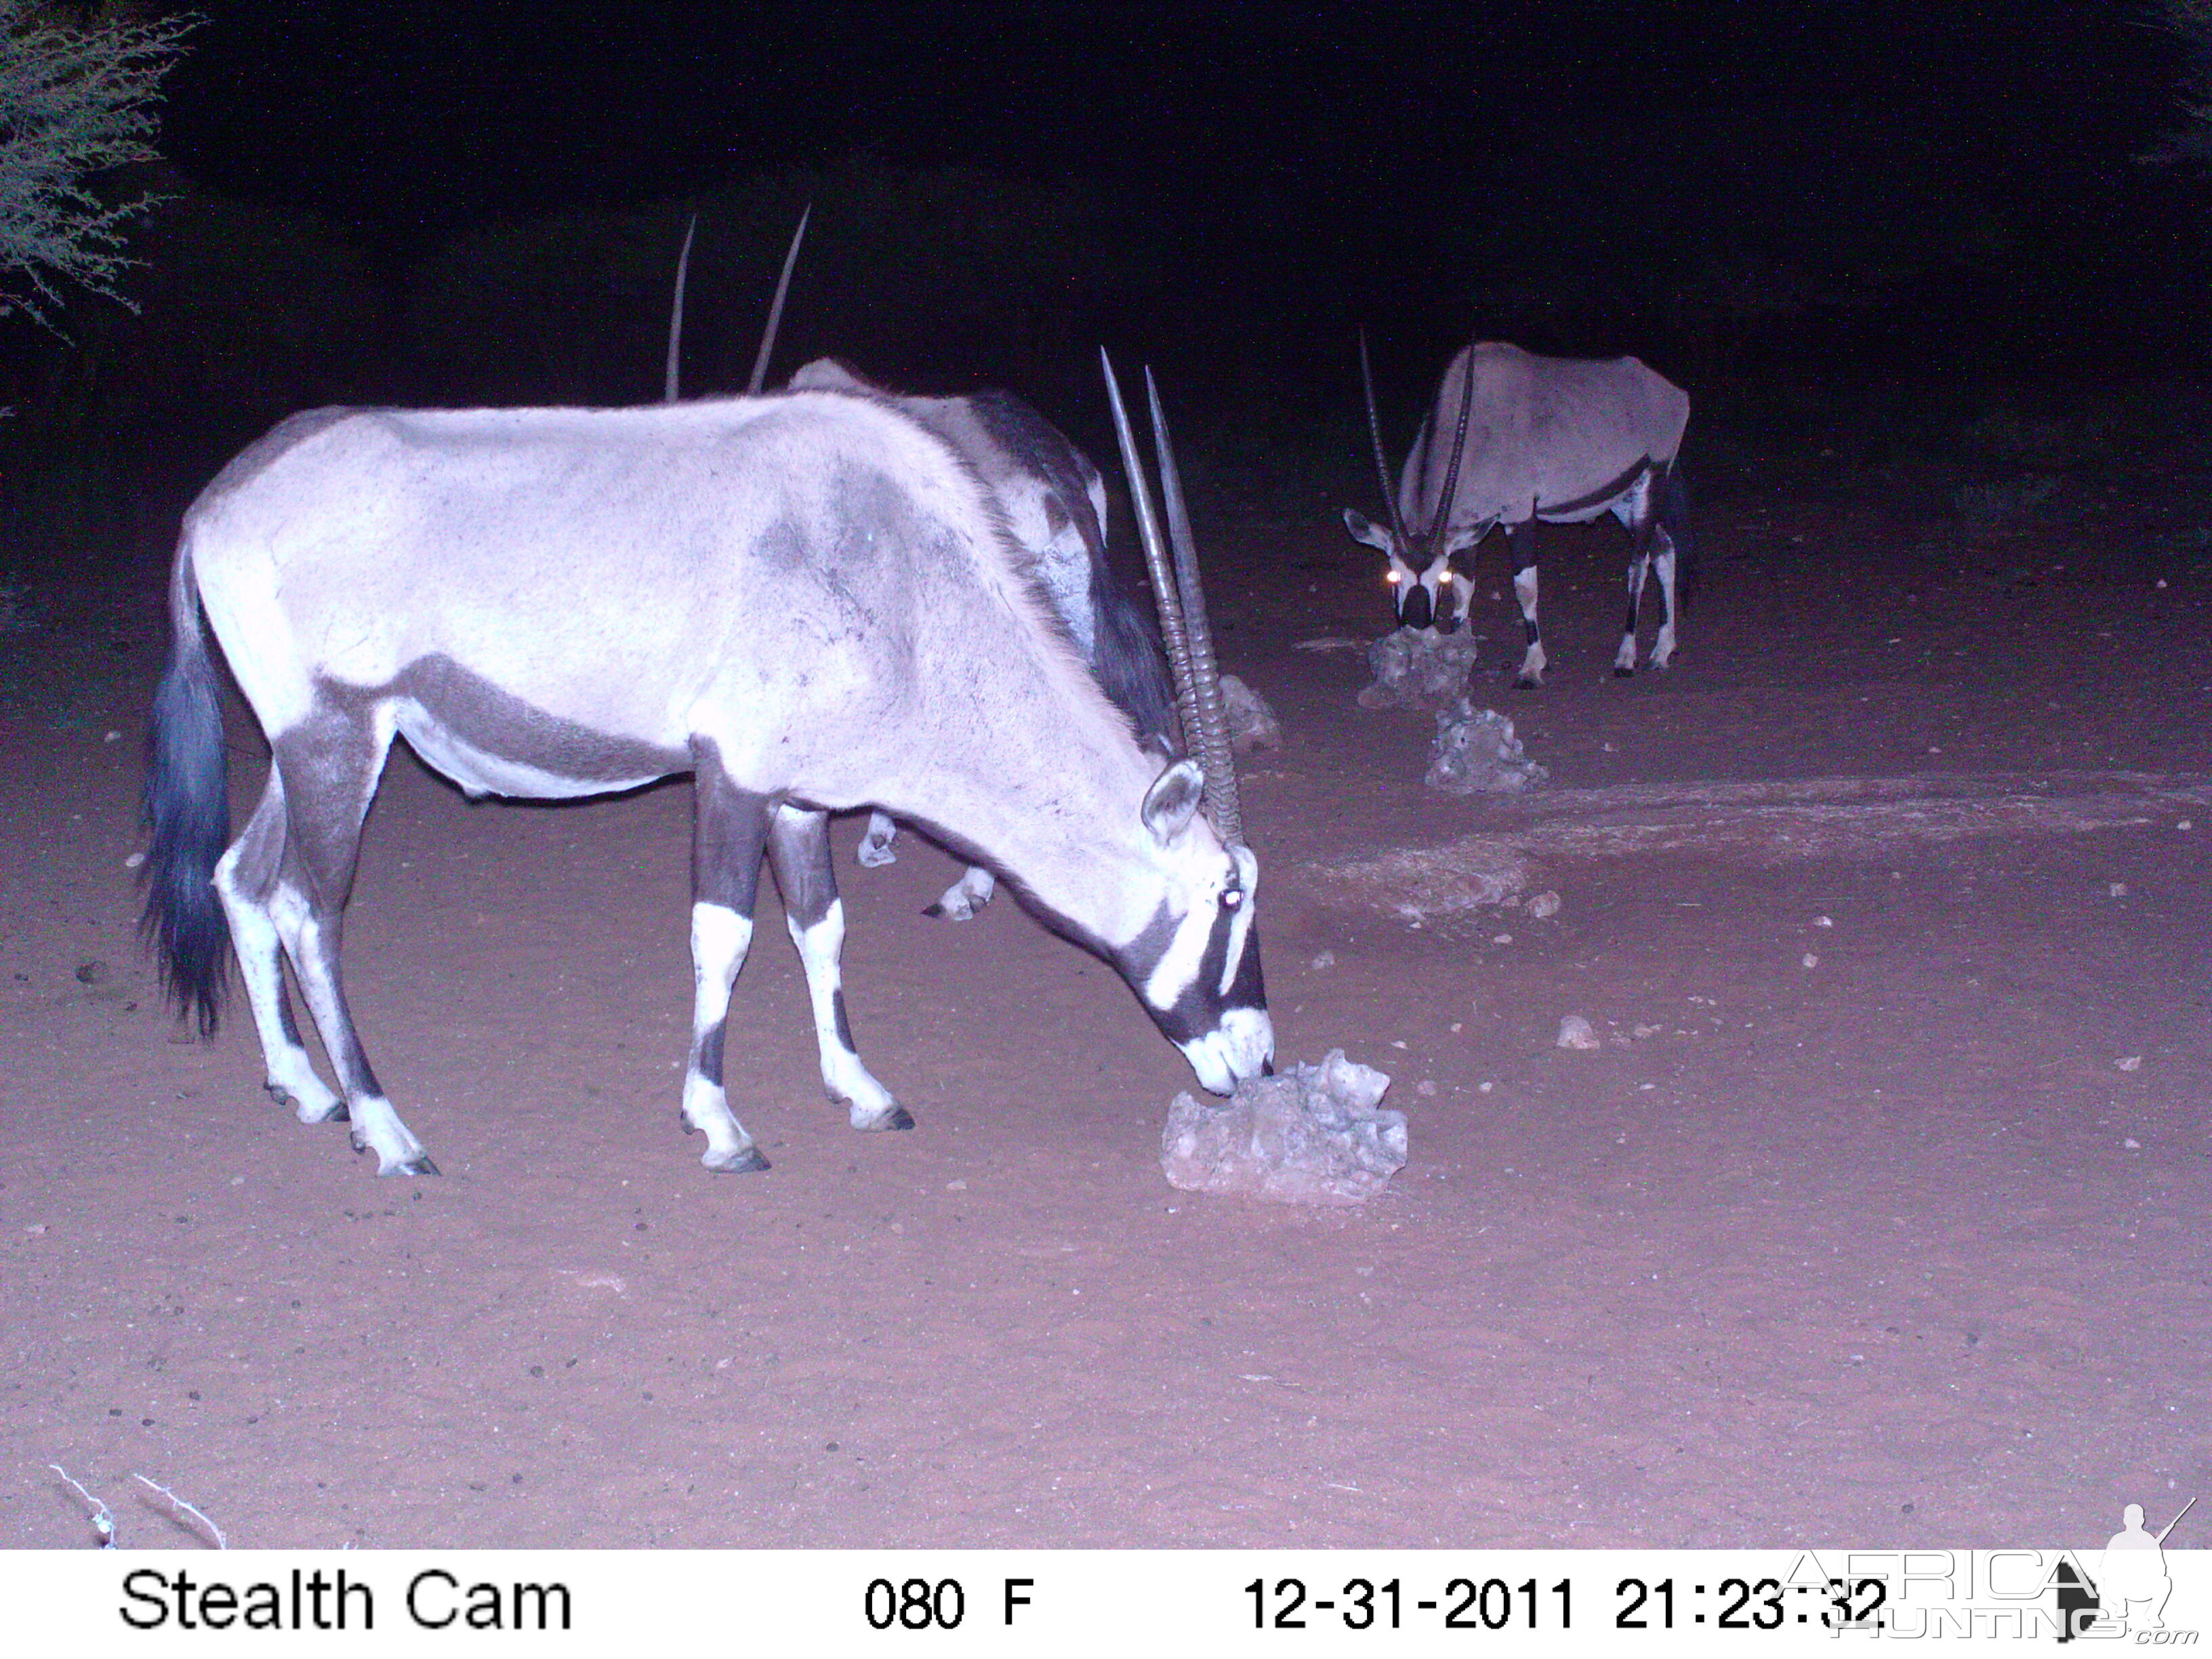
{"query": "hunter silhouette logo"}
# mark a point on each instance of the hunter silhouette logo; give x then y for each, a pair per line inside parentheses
(2131, 1585)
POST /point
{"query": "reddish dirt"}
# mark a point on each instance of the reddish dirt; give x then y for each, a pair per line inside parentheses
(1885, 1250)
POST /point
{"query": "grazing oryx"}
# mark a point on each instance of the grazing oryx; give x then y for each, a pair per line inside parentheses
(809, 602)
(1559, 439)
(1055, 506)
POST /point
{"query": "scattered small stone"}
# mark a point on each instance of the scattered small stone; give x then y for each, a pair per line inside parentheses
(1313, 1134)
(1425, 1088)
(2132, 1144)
(1475, 751)
(1647, 1031)
(1459, 1025)
(1252, 724)
(1418, 668)
(92, 973)
(2117, 889)
(1501, 939)
(1483, 1088)
(956, 1186)
(1326, 959)
(1812, 961)
(2132, 1063)
(134, 860)
(1575, 1033)
(1544, 906)
(1824, 921)
(2187, 823)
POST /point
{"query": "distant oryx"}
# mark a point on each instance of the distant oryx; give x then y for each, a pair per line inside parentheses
(1560, 439)
(1055, 506)
(809, 602)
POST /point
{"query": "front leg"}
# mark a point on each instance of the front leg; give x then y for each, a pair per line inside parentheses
(728, 835)
(798, 845)
(1664, 563)
(1520, 540)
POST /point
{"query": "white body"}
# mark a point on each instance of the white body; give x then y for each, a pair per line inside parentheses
(808, 601)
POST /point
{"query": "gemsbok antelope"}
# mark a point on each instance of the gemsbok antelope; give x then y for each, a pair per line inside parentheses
(1056, 507)
(809, 602)
(1561, 439)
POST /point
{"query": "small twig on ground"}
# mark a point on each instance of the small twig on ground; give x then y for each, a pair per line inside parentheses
(103, 1518)
(192, 1510)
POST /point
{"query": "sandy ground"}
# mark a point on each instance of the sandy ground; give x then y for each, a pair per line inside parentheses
(1878, 1219)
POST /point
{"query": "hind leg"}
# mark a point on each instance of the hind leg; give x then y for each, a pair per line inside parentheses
(799, 845)
(966, 896)
(1640, 562)
(729, 830)
(329, 764)
(876, 845)
(246, 880)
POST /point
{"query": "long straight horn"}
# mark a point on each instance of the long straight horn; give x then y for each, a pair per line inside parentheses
(1375, 432)
(1164, 593)
(1213, 738)
(1438, 524)
(775, 310)
(676, 314)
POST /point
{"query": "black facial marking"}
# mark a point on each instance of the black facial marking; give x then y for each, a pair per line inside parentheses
(1196, 1009)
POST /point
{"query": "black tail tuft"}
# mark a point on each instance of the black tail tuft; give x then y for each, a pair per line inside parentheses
(187, 813)
(1675, 518)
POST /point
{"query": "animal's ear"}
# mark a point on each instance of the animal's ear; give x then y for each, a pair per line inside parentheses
(1371, 535)
(1459, 538)
(1172, 801)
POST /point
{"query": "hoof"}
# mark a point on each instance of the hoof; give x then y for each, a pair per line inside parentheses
(419, 1165)
(896, 1118)
(1620, 673)
(334, 1113)
(874, 856)
(1524, 684)
(744, 1161)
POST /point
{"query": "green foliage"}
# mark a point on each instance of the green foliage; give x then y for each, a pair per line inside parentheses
(75, 103)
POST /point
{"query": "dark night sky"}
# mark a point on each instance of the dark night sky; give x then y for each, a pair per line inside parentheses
(406, 120)
(1958, 183)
